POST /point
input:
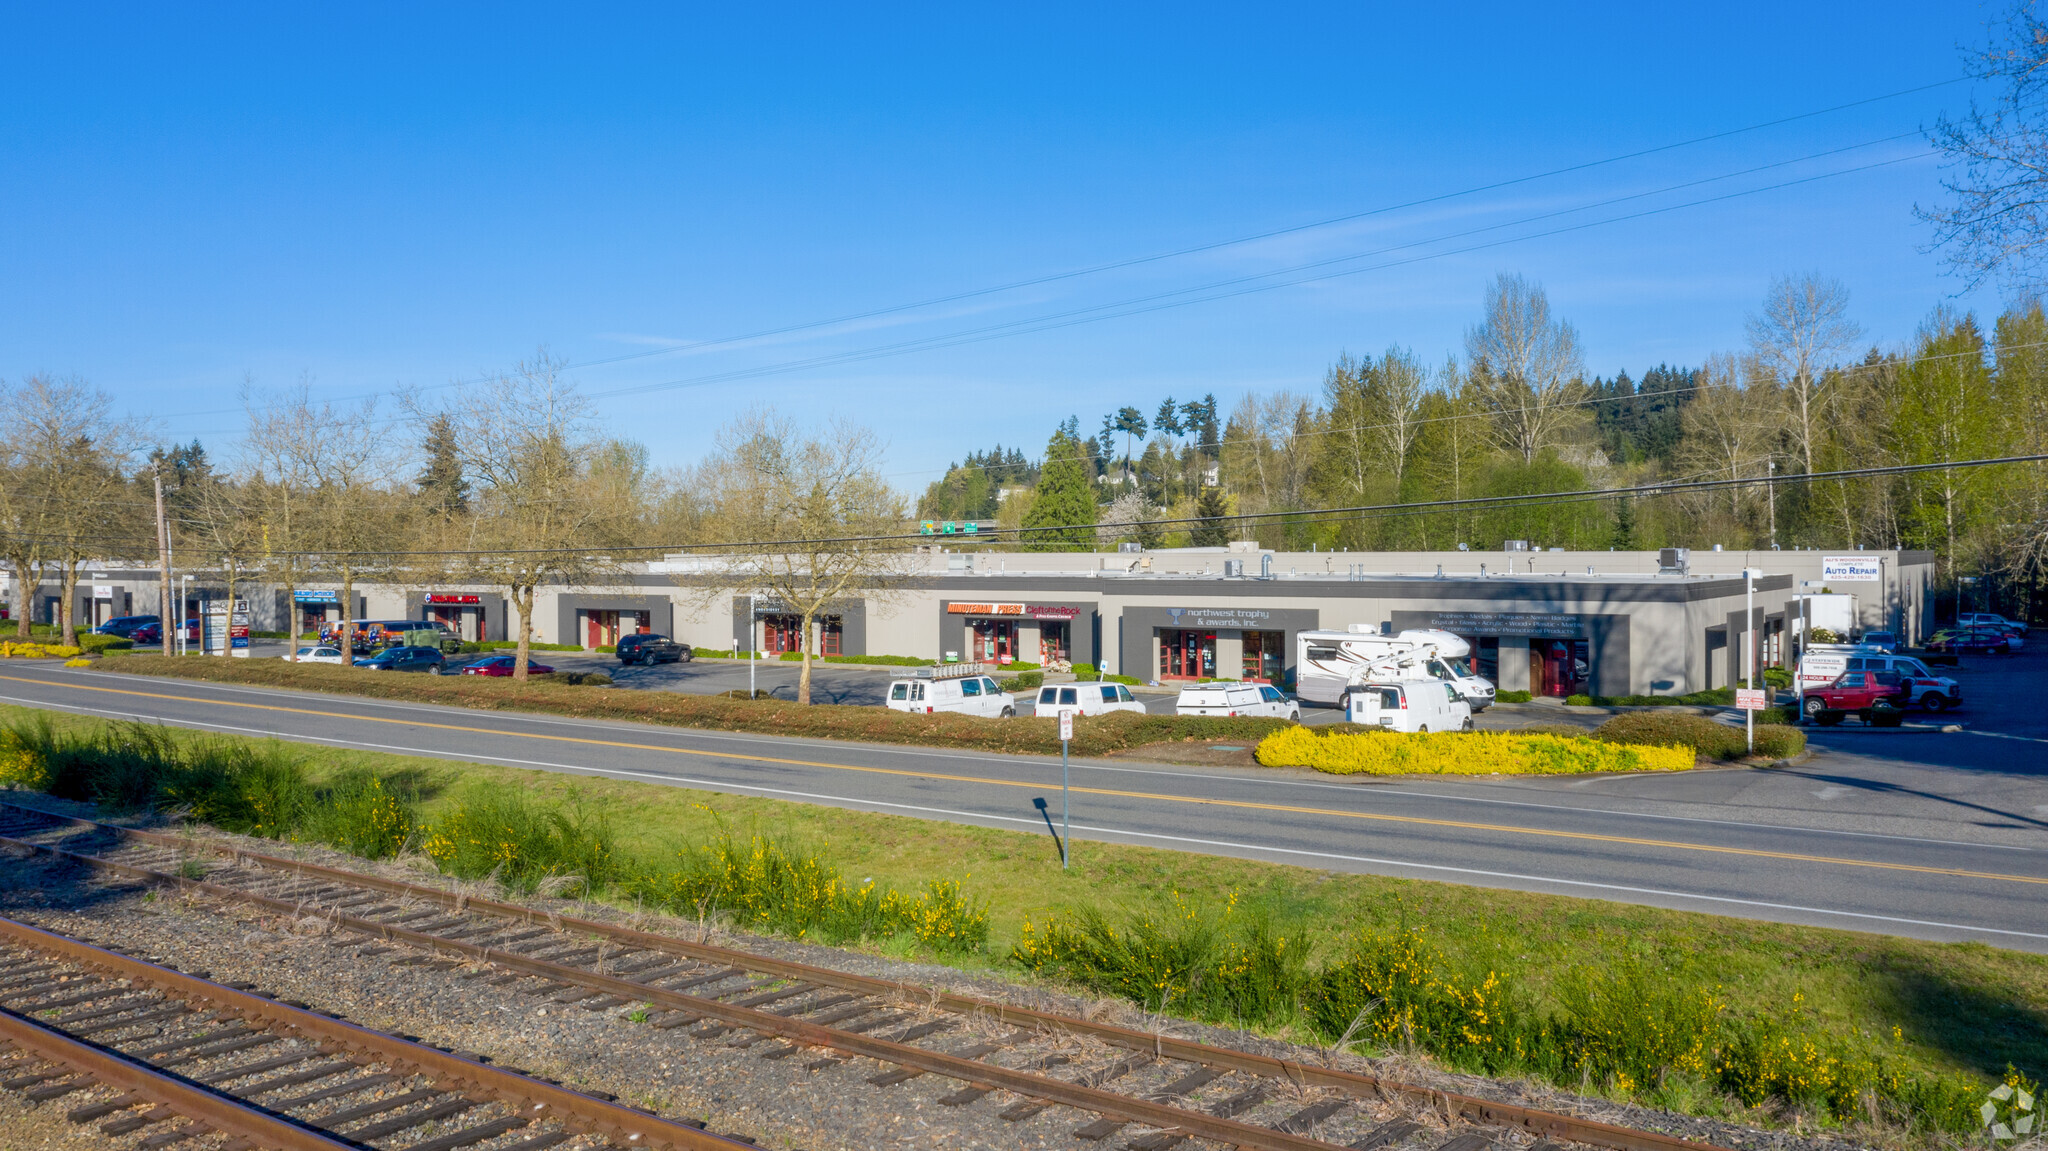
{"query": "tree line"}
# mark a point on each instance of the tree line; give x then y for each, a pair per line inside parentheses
(1517, 415)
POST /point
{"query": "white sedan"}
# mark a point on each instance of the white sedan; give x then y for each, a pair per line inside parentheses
(317, 655)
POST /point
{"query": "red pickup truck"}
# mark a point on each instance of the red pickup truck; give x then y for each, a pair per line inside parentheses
(1878, 698)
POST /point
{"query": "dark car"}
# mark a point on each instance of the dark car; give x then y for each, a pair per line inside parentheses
(1964, 640)
(124, 627)
(501, 665)
(426, 659)
(648, 647)
(151, 634)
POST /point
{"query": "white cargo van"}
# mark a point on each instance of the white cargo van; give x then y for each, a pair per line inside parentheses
(1823, 663)
(969, 694)
(1328, 663)
(1228, 699)
(1409, 705)
(1085, 698)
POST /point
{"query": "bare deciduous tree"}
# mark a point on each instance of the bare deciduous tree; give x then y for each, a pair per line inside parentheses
(801, 511)
(1997, 157)
(71, 456)
(1527, 369)
(540, 516)
(1804, 325)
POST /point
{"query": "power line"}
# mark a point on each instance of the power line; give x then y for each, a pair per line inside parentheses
(1195, 249)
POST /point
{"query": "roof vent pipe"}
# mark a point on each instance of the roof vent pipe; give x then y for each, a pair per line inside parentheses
(1266, 565)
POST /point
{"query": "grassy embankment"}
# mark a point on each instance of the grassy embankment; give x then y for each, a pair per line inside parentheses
(1703, 1013)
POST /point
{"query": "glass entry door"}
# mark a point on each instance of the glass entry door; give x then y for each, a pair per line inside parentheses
(1187, 654)
(995, 641)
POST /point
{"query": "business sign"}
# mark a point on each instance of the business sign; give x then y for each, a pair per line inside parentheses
(1536, 625)
(985, 609)
(1229, 617)
(305, 596)
(102, 591)
(1752, 698)
(1048, 611)
(453, 597)
(950, 528)
(1851, 569)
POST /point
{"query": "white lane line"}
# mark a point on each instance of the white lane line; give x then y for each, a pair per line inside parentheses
(849, 801)
(1396, 791)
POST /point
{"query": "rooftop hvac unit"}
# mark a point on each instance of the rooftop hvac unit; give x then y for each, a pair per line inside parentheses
(1515, 546)
(1233, 568)
(1672, 561)
(1130, 546)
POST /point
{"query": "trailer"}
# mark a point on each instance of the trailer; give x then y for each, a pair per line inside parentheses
(1328, 664)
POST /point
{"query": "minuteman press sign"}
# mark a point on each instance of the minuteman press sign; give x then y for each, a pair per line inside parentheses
(1850, 569)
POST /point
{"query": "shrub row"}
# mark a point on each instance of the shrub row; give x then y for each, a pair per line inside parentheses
(1093, 735)
(492, 832)
(1461, 753)
(1629, 1028)
(1702, 735)
(38, 650)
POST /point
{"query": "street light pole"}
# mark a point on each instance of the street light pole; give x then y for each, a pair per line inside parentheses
(752, 655)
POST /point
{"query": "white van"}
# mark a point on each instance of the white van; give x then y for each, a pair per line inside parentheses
(1823, 663)
(1236, 699)
(1085, 698)
(1409, 705)
(968, 695)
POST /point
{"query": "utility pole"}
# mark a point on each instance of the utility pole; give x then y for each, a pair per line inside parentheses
(1771, 493)
(163, 561)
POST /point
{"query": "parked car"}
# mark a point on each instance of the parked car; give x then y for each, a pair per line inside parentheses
(152, 634)
(1883, 641)
(125, 626)
(1931, 691)
(1409, 705)
(427, 659)
(1968, 640)
(501, 665)
(968, 695)
(1086, 698)
(1989, 619)
(318, 653)
(1878, 698)
(1235, 699)
(650, 648)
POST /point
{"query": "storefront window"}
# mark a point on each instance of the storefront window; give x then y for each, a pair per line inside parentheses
(1263, 660)
(1053, 640)
(1559, 667)
(1486, 658)
(780, 633)
(993, 641)
(1187, 654)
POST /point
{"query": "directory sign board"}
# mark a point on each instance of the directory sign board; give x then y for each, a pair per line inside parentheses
(1751, 699)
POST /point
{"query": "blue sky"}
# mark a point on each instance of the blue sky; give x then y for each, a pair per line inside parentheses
(195, 196)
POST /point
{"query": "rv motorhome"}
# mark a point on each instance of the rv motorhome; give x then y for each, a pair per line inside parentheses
(1329, 664)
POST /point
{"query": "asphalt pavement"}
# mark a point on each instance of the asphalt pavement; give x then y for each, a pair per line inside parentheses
(1915, 833)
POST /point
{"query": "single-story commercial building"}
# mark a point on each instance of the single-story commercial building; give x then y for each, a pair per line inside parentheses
(1551, 622)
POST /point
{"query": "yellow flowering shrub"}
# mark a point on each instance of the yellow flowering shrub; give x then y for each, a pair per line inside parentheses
(1461, 753)
(11, 650)
(21, 765)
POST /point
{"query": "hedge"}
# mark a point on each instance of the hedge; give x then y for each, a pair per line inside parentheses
(1703, 735)
(1093, 735)
(37, 651)
(1461, 753)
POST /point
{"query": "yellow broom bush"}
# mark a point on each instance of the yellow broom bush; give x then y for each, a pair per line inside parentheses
(1461, 753)
(37, 651)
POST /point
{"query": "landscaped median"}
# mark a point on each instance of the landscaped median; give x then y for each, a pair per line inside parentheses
(1093, 735)
(1462, 753)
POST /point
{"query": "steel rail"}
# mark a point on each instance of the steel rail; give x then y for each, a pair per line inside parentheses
(211, 1111)
(531, 1098)
(1543, 1123)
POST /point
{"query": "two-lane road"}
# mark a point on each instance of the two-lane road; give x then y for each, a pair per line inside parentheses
(1810, 846)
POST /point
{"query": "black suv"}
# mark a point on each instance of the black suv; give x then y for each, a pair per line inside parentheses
(650, 648)
(427, 659)
(124, 626)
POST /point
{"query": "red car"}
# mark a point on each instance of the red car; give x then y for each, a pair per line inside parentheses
(152, 634)
(502, 665)
(1878, 698)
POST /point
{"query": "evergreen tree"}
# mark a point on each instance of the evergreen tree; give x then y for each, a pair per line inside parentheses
(442, 486)
(1213, 531)
(1064, 500)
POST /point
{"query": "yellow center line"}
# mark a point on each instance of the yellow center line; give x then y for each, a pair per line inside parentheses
(1195, 800)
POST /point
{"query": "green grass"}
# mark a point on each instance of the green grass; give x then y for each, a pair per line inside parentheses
(1601, 989)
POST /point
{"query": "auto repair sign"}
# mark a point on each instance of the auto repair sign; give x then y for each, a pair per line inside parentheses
(1850, 569)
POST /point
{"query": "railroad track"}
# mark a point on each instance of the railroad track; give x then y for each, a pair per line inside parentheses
(1152, 1091)
(171, 1057)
